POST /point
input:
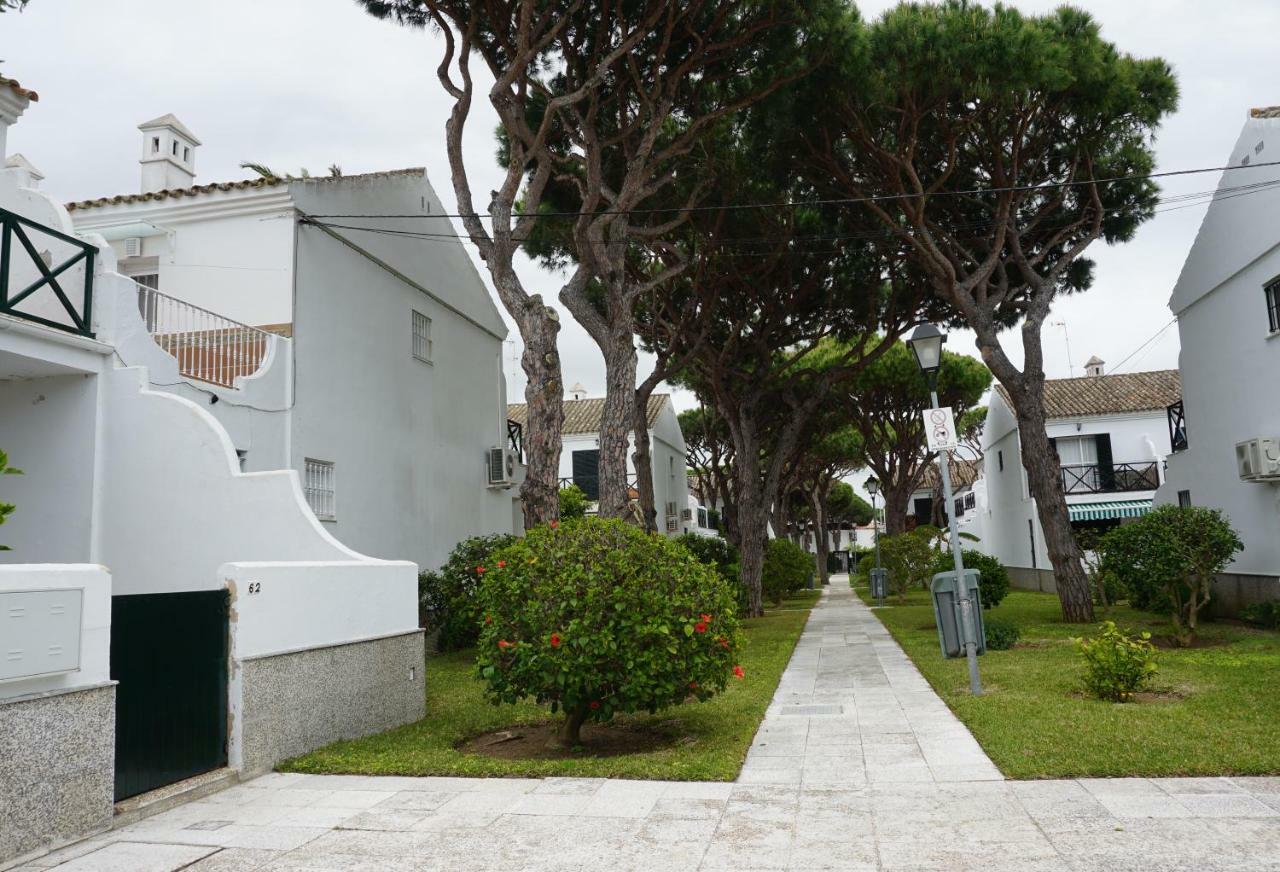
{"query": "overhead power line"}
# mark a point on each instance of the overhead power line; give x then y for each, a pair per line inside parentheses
(843, 201)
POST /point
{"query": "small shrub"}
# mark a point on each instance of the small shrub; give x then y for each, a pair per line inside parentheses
(787, 569)
(1264, 614)
(1117, 666)
(993, 578)
(715, 551)
(447, 597)
(1167, 560)
(6, 509)
(1001, 634)
(596, 618)
(573, 503)
(909, 558)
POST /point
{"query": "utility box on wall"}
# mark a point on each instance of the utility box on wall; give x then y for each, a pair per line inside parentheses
(39, 632)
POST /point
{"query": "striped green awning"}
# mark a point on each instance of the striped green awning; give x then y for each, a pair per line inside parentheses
(1105, 511)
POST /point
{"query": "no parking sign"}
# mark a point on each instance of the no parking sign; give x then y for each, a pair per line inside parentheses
(940, 429)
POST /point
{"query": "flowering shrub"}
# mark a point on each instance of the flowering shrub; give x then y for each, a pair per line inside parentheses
(595, 617)
(1116, 666)
(447, 596)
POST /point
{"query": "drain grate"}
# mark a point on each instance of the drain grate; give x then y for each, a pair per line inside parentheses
(812, 710)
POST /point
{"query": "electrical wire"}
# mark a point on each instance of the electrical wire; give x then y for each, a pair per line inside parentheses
(1116, 370)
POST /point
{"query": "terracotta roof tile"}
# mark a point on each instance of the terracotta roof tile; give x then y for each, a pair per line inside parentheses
(21, 91)
(214, 187)
(1265, 112)
(583, 416)
(963, 473)
(1109, 394)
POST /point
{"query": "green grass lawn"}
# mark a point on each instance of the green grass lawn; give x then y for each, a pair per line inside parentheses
(712, 737)
(1221, 716)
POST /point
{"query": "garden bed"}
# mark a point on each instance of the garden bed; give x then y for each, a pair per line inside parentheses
(1212, 709)
(692, 742)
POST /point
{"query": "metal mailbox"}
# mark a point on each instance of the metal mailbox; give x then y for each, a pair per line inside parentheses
(879, 582)
(947, 616)
(39, 632)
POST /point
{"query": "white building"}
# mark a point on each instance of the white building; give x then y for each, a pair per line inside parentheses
(392, 392)
(580, 455)
(1111, 435)
(1227, 301)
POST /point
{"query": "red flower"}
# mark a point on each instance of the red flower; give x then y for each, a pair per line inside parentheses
(706, 618)
(700, 627)
(555, 640)
(480, 570)
(724, 643)
(488, 619)
(738, 673)
(503, 643)
(593, 705)
(554, 524)
(693, 685)
(502, 564)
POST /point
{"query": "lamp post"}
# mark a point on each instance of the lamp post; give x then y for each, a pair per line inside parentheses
(873, 487)
(926, 343)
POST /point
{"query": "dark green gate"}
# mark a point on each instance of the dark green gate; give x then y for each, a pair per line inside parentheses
(169, 653)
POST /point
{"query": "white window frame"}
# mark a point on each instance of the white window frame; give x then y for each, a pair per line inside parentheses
(320, 485)
(422, 344)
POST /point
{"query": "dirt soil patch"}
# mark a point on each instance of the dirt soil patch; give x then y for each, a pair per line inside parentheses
(530, 743)
(1200, 642)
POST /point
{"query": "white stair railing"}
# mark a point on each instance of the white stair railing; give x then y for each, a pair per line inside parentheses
(207, 346)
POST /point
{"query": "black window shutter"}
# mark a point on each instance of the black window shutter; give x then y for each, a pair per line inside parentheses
(1106, 466)
(586, 472)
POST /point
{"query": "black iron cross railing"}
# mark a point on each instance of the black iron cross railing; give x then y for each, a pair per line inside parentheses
(13, 228)
(1102, 478)
(1177, 426)
(515, 438)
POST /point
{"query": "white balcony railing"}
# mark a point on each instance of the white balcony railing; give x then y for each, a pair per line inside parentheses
(207, 346)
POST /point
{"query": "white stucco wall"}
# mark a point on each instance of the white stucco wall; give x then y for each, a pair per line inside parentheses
(95, 623)
(408, 438)
(1229, 359)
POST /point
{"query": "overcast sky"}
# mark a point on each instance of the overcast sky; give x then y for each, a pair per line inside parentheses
(308, 83)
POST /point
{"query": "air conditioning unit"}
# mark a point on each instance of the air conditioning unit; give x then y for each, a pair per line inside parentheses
(672, 525)
(133, 246)
(686, 514)
(1258, 460)
(502, 467)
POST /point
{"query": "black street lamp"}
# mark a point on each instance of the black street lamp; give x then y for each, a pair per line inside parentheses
(878, 580)
(926, 344)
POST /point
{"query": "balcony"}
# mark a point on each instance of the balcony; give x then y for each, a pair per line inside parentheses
(515, 439)
(35, 262)
(1110, 478)
(1177, 427)
(590, 485)
(207, 346)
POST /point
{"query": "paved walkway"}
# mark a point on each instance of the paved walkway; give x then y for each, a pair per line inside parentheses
(858, 766)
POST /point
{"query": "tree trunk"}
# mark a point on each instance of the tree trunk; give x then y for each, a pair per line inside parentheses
(821, 540)
(753, 523)
(896, 499)
(570, 734)
(1044, 479)
(615, 423)
(544, 396)
(643, 459)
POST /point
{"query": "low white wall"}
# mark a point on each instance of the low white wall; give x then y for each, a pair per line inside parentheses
(95, 623)
(281, 607)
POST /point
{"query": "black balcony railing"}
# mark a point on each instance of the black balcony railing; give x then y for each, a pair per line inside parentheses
(1177, 426)
(23, 303)
(1106, 478)
(515, 438)
(590, 485)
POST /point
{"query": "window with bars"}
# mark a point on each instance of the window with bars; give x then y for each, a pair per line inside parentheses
(318, 484)
(421, 337)
(1272, 294)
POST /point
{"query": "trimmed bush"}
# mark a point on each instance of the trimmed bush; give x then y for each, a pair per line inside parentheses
(993, 578)
(1117, 666)
(596, 618)
(1264, 614)
(573, 503)
(447, 597)
(787, 569)
(1167, 560)
(909, 559)
(1001, 634)
(714, 551)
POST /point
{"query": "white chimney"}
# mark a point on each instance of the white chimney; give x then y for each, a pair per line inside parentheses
(577, 392)
(168, 154)
(14, 100)
(1093, 366)
(28, 175)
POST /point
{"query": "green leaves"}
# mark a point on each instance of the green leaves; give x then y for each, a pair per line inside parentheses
(6, 509)
(1117, 665)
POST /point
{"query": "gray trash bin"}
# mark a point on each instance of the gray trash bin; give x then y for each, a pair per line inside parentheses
(879, 583)
(945, 614)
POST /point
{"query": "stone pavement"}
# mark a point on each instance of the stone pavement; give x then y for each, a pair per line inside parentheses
(858, 766)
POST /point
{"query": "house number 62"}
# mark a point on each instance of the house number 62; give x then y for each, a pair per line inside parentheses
(255, 587)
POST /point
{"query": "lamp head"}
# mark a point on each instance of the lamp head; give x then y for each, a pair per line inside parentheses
(872, 485)
(926, 344)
